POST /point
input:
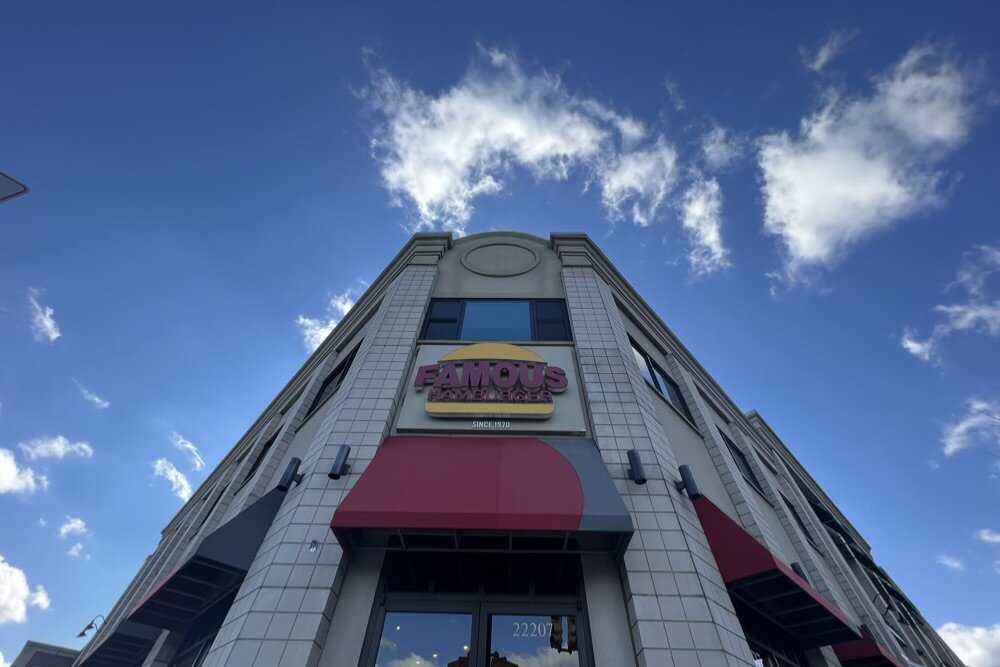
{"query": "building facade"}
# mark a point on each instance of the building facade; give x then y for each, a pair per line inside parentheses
(502, 456)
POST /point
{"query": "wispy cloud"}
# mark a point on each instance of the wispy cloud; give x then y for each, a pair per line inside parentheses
(720, 148)
(674, 93)
(988, 536)
(979, 313)
(43, 323)
(439, 153)
(314, 330)
(831, 47)
(57, 447)
(859, 165)
(188, 448)
(16, 595)
(73, 525)
(951, 562)
(701, 216)
(76, 550)
(15, 479)
(976, 646)
(178, 481)
(91, 397)
(980, 423)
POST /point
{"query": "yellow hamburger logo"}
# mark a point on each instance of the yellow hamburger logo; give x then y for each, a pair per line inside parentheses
(491, 380)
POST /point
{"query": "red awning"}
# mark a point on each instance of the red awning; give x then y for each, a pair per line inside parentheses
(220, 563)
(457, 492)
(768, 586)
(865, 652)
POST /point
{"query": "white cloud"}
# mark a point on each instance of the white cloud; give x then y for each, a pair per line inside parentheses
(76, 550)
(178, 481)
(43, 324)
(189, 448)
(979, 314)
(980, 423)
(719, 148)
(73, 525)
(701, 216)
(439, 153)
(859, 165)
(314, 330)
(16, 596)
(975, 646)
(42, 522)
(15, 479)
(635, 184)
(56, 447)
(91, 397)
(3, 663)
(673, 91)
(828, 50)
(933, 465)
(921, 349)
(951, 562)
(989, 536)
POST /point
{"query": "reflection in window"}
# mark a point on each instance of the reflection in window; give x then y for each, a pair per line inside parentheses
(425, 639)
(497, 320)
(528, 640)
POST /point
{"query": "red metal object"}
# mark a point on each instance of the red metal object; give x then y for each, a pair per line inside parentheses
(865, 652)
(765, 583)
(465, 483)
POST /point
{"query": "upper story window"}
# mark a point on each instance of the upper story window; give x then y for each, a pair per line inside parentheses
(332, 382)
(742, 463)
(660, 381)
(497, 319)
(798, 520)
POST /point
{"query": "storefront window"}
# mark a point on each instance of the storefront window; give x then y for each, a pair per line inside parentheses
(426, 639)
(479, 610)
(522, 640)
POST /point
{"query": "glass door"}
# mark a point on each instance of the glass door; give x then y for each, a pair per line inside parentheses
(533, 640)
(425, 639)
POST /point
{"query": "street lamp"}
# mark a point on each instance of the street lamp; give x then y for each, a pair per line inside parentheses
(91, 626)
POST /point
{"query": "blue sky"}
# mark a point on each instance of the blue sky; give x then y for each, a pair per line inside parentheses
(806, 197)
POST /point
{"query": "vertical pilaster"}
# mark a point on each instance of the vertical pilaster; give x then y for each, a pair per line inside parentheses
(282, 612)
(679, 610)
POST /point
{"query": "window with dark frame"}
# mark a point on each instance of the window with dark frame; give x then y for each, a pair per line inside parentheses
(477, 609)
(497, 319)
(798, 520)
(260, 457)
(332, 382)
(660, 381)
(742, 463)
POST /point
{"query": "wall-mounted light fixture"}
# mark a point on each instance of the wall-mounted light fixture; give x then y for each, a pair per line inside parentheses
(635, 470)
(91, 626)
(687, 483)
(340, 466)
(291, 475)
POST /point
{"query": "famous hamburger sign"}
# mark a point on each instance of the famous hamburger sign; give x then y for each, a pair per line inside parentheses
(490, 379)
(494, 387)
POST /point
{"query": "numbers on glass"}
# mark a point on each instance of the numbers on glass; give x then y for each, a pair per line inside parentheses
(532, 629)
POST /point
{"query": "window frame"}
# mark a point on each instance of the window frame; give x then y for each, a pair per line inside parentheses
(743, 464)
(672, 394)
(533, 319)
(339, 372)
(481, 608)
(797, 518)
(260, 458)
